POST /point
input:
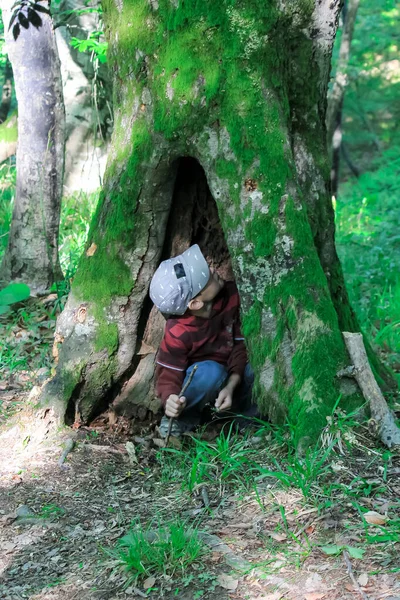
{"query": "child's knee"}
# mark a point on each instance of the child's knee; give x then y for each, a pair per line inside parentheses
(209, 375)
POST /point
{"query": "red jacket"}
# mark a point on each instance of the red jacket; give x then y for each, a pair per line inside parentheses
(189, 339)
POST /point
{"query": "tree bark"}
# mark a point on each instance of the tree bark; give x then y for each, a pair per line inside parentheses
(31, 254)
(336, 97)
(242, 91)
(87, 97)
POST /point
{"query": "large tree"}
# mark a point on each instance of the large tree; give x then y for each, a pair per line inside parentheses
(31, 254)
(240, 89)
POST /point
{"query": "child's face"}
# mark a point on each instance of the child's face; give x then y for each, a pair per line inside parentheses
(213, 287)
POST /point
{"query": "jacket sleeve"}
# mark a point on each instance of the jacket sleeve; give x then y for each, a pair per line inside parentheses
(172, 361)
(238, 358)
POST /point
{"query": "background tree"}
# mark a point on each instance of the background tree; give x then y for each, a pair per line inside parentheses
(336, 97)
(87, 93)
(241, 91)
(6, 91)
(31, 254)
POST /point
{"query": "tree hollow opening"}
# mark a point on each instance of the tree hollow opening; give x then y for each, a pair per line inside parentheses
(193, 219)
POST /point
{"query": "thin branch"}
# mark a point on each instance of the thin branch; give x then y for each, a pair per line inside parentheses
(346, 559)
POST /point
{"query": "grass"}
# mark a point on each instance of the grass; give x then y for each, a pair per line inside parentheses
(76, 214)
(154, 550)
(368, 243)
(304, 473)
(27, 330)
(228, 460)
(7, 191)
(232, 462)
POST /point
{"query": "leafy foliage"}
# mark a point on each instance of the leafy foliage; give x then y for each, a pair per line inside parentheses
(92, 45)
(26, 12)
(11, 294)
(368, 242)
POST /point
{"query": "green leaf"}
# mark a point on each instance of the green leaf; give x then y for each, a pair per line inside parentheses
(333, 550)
(4, 310)
(355, 552)
(15, 292)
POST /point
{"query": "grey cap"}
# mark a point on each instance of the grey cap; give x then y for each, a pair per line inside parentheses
(178, 280)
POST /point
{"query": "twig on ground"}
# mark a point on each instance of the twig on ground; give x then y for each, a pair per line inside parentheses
(104, 448)
(69, 445)
(204, 495)
(309, 523)
(347, 561)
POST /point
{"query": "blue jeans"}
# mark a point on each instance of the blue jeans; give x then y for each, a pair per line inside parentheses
(208, 380)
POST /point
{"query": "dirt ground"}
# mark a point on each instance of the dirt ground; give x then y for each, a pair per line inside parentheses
(57, 522)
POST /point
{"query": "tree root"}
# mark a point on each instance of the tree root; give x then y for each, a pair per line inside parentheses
(382, 416)
(70, 443)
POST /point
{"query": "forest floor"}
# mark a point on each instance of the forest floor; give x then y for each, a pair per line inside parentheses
(275, 527)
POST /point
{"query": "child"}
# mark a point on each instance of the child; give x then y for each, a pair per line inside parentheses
(203, 329)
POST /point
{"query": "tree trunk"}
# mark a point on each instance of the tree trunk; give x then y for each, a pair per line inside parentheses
(242, 91)
(31, 254)
(6, 92)
(336, 97)
(87, 97)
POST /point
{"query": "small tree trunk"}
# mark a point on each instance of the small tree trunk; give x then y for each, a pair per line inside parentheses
(254, 120)
(32, 255)
(336, 97)
(6, 92)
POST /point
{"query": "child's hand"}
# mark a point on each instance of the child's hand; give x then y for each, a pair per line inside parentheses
(174, 406)
(224, 400)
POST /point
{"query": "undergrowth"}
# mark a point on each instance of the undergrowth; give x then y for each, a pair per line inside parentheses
(158, 549)
(368, 243)
(268, 455)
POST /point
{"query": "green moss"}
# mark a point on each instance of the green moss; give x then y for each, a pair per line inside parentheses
(262, 232)
(251, 324)
(106, 338)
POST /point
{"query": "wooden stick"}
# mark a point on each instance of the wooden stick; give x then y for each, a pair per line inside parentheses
(388, 431)
(183, 390)
(346, 559)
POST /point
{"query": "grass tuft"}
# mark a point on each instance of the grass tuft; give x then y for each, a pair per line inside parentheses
(158, 549)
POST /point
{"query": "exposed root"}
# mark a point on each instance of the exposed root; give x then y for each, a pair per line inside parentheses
(69, 446)
(347, 561)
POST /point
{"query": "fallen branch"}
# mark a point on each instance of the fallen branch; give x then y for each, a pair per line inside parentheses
(104, 448)
(346, 559)
(381, 414)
